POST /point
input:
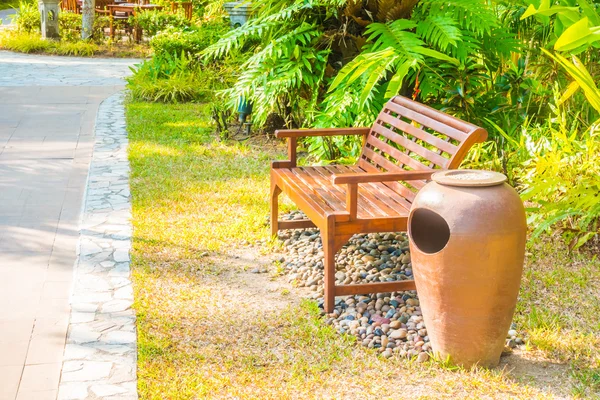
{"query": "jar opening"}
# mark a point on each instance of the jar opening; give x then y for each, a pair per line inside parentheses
(428, 230)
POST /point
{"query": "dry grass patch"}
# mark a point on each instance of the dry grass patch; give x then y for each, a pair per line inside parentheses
(208, 328)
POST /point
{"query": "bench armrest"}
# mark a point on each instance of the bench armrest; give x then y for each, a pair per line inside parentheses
(296, 133)
(380, 177)
(352, 180)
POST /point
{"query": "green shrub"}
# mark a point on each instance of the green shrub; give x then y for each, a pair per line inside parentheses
(25, 42)
(169, 79)
(172, 79)
(561, 180)
(80, 48)
(191, 41)
(28, 19)
(101, 22)
(69, 25)
(154, 21)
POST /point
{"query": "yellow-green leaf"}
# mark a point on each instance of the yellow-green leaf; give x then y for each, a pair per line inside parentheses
(571, 89)
(575, 36)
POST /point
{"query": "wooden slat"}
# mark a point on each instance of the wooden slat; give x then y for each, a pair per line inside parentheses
(418, 133)
(410, 145)
(388, 188)
(365, 198)
(427, 121)
(315, 210)
(438, 115)
(417, 184)
(381, 287)
(384, 193)
(404, 191)
(315, 201)
(366, 164)
(296, 133)
(380, 160)
(403, 158)
(371, 225)
(296, 224)
(325, 193)
(364, 210)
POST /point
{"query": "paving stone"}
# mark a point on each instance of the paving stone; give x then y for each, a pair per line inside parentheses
(73, 391)
(120, 337)
(82, 371)
(82, 333)
(107, 390)
(77, 351)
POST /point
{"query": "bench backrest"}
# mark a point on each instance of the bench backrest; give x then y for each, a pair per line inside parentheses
(411, 136)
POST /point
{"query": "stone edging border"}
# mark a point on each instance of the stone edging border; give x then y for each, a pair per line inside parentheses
(101, 351)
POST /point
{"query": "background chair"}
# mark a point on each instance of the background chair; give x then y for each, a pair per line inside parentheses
(71, 6)
(187, 8)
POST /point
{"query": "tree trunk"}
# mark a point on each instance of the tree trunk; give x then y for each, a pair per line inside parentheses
(87, 17)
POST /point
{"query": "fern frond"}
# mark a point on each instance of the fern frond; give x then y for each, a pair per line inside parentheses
(288, 65)
(477, 16)
(383, 6)
(406, 43)
(395, 35)
(258, 27)
(402, 10)
(439, 31)
(362, 65)
(503, 41)
(353, 8)
(467, 46)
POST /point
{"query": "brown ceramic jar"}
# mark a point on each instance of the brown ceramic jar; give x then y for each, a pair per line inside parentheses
(467, 234)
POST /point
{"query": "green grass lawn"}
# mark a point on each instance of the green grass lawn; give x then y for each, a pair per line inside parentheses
(208, 328)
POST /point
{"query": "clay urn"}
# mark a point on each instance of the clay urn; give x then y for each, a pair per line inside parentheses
(467, 231)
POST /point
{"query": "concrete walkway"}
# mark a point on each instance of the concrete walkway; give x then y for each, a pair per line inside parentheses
(48, 107)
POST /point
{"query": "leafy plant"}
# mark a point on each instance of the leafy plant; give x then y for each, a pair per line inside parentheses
(69, 26)
(190, 40)
(154, 21)
(28, 18)
(421, 55)
(576, 26)
(286, 51)
(24, 42)
(79, 48)
(167, 78)
(562, 179)
(175, 78)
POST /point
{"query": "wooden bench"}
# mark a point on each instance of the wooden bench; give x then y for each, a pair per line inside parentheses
(407, 143)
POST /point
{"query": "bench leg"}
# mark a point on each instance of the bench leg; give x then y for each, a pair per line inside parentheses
(329, 249)
(275, 192)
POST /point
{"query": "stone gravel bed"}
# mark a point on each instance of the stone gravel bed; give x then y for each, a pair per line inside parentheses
(392, 323)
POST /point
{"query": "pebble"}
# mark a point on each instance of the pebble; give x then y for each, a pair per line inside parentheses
(395, 324)
(399, 334)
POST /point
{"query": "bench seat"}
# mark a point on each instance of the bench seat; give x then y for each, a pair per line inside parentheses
(375, 199)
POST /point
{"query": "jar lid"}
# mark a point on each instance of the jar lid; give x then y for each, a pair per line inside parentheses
(468, 178)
